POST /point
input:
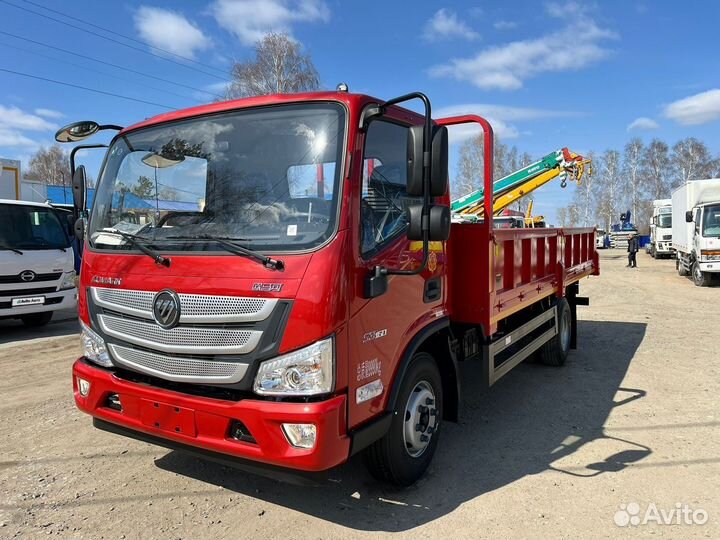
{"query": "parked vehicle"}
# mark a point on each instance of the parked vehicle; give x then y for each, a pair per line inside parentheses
(696, 229)
(37, 276)
(316, 301)
(601, 239)
(660, 244)
(620, 232)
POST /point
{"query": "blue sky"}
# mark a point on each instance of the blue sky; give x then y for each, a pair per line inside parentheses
(584, 75)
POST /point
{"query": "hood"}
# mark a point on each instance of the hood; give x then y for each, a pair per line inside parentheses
(42, 261)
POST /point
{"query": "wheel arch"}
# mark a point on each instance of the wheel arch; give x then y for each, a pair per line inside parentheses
(434, 339)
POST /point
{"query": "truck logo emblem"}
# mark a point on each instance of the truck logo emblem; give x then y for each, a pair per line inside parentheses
(106, 280)
(166, 309)
(267, 287)
(27, 275)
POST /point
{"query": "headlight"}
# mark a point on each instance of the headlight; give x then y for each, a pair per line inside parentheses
(710, 255)
(305, 372)
(68, 281)
(94, 346)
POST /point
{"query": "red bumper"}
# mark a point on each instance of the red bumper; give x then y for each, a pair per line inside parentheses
(205, 423)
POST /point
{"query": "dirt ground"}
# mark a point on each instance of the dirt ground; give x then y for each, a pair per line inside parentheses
(631, 423)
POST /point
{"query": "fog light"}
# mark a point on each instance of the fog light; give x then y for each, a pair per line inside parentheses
(83, 387)
(300, 435)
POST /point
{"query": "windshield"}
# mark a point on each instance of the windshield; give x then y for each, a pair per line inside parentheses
(711, 221)
(31, 227)
(267, 178)
(664, 220)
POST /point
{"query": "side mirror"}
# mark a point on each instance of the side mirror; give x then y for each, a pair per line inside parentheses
(438, 223)
(689, 216)
(78, 188)
(438, 161)
(77, 131)
(80, 229)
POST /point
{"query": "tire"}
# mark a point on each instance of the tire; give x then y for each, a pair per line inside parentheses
(36, 319)
(653, 254)
(401, 457)
(680, 269)
(700, 278)
(555, 351)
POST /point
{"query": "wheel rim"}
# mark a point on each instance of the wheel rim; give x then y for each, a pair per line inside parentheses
(565, 331)
(697, 273)
(421, 419)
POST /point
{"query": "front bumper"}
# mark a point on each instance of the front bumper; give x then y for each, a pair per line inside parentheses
(54, 301)
(711, 266)
(206, 422)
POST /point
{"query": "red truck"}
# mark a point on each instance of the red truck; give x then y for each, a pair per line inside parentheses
(275, 282)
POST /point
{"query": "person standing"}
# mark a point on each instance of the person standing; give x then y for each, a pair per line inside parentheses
(633, 246)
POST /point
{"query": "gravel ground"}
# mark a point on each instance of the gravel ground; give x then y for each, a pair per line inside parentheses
(628, 425)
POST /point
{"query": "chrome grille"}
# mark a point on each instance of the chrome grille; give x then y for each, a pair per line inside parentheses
(194, 308)
(181, 339)
(178, 369)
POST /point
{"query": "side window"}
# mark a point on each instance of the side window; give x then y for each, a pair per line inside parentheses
(384, 197)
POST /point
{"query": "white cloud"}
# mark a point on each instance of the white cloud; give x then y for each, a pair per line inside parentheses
(505, 25)
(14, 121)
(501, 117)
(643, 123)
(14, 118)
(170, 31)
(507, 66)
(446, 25)
(15, 138)
(697, 109)
(251, 20)
(49, 113)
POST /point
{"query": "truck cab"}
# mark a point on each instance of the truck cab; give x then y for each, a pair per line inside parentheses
(37, 275)
(269, 281)
(660, 244)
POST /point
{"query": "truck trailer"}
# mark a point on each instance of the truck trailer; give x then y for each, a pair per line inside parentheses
(696, 229)
(316, 300)
(660, 244)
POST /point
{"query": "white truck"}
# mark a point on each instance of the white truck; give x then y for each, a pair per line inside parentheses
(660, 244)
(696, 229)
(37, 275)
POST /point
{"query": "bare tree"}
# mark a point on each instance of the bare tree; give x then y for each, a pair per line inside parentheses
(691, 160)
(50, 165)
(632, 175)
(562, 217)
(279, 67)
(656, 166)
(584, 194)
(607, 188)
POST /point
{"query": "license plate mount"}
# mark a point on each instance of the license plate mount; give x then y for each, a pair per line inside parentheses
(28, 301)
(170, 418)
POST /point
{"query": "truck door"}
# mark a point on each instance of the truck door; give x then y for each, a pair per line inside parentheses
(380, 328)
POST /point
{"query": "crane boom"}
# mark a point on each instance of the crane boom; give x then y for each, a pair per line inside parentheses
(508, 189)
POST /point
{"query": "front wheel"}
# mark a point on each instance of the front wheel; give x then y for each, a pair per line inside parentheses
(405, 452)
(700, 278)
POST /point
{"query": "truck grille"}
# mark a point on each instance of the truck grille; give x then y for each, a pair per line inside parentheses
(38, 277)
(181, 339)
(667, 237)
(27, 292)
(213, 342)
(194, 308)
(178, 369)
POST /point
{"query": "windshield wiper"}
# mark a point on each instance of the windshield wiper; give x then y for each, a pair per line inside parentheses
(137, 241)
(229, 244)
(3, 246)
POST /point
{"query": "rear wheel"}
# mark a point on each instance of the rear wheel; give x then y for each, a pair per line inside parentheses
(404, 453)
(700, 278)
(555, 351)
(680, 268)
(37, 319)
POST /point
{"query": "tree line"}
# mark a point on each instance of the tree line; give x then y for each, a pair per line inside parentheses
(614, 182)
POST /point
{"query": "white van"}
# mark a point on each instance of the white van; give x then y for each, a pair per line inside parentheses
(37, 275)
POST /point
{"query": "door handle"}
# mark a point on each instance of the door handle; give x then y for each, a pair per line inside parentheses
(432, 290)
